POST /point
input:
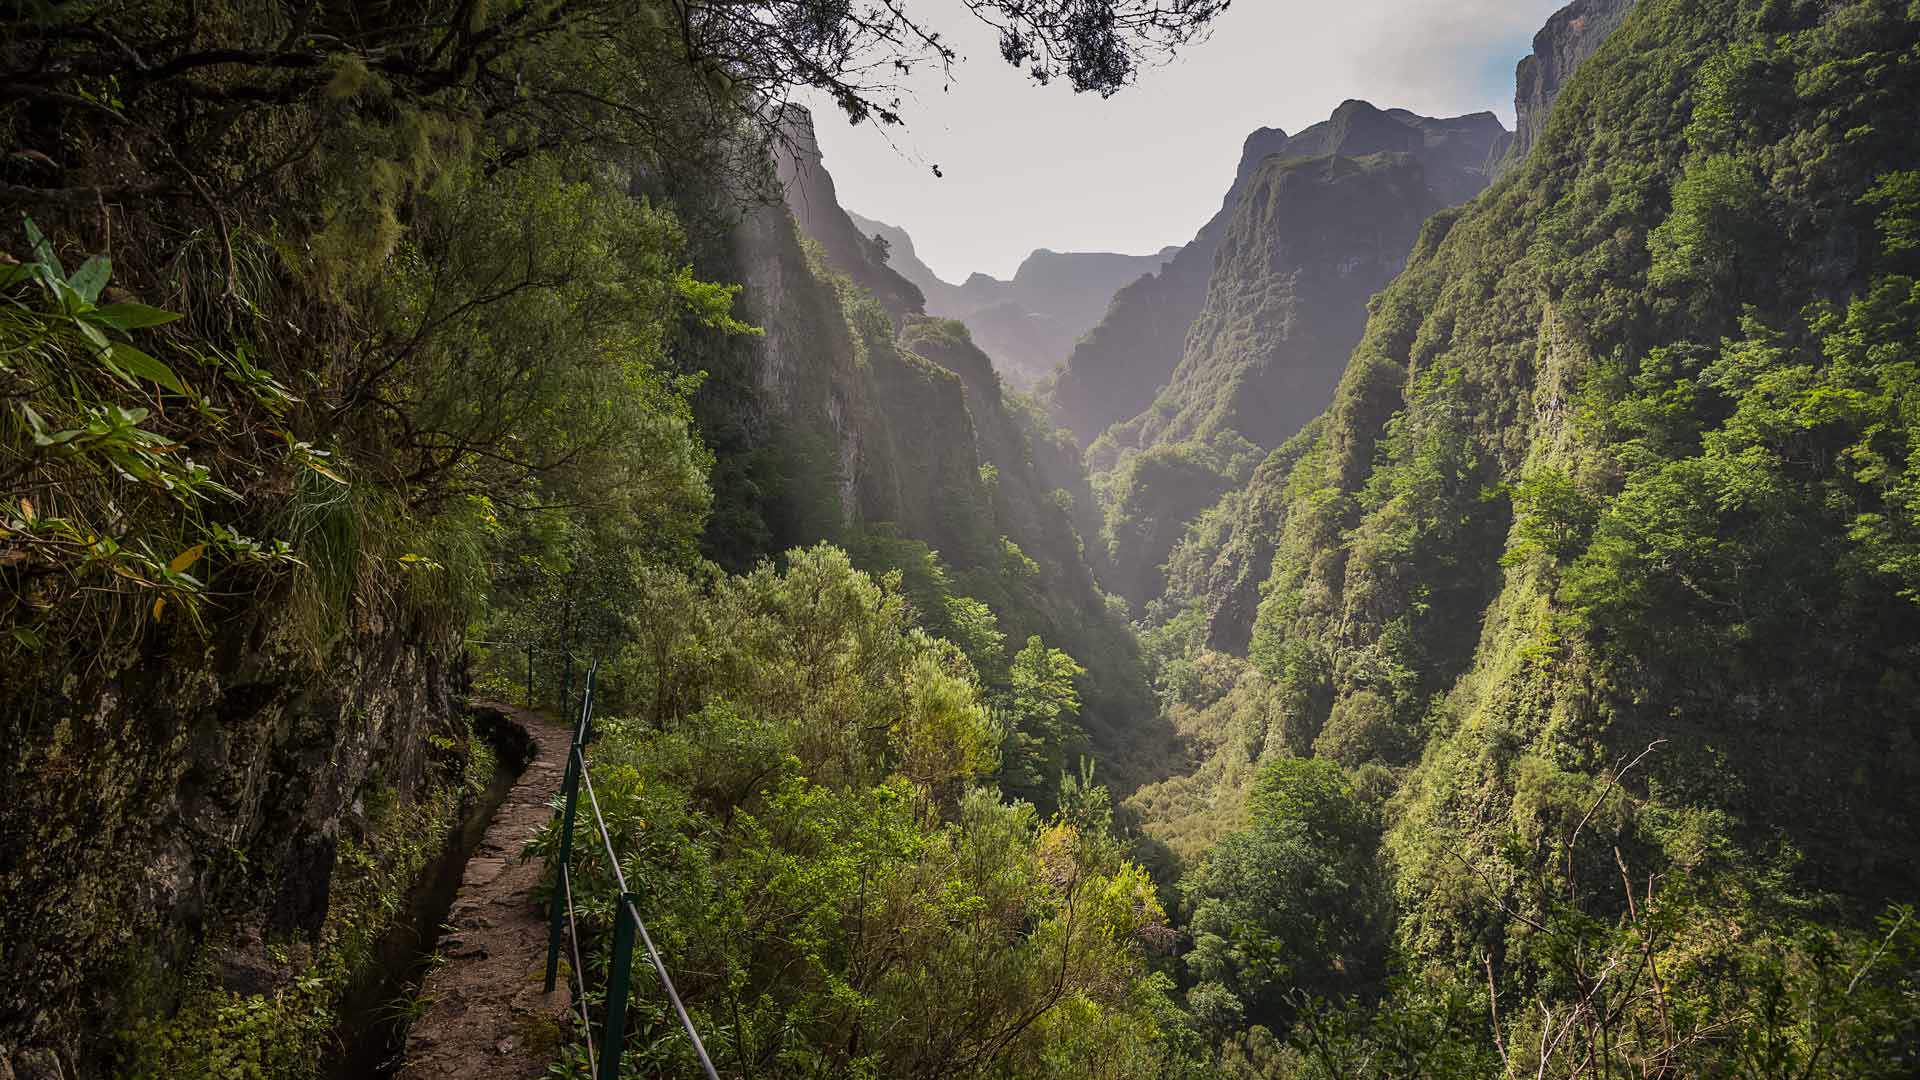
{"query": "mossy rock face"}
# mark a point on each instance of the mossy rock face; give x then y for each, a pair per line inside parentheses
(540, 1034)
(186, 790)
(266, 1002)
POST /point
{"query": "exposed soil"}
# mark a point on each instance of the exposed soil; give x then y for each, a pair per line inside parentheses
(485, 1016)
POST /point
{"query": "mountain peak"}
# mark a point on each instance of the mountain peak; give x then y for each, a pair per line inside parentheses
(1262, 135)
(1263, 143)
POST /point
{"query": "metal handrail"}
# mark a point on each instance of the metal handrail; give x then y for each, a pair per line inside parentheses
(571, 657)
(573, 946)
(626, 920)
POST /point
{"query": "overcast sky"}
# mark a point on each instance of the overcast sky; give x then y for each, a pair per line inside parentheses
(1029, 166)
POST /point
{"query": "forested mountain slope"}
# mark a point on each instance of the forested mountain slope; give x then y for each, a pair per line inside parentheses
(1318, 230)
(1615, 495)
(1620, 339)
(1543, 706)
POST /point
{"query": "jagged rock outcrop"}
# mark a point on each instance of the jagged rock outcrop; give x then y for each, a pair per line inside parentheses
(1123, 363)
(1029, 324)
(1115, 370)
(1569, 37)
(1310, 243)
(1453, 151)
(1319, 228)
(809, 193)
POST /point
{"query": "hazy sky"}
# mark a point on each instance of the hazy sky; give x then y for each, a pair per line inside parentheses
(1029, 166)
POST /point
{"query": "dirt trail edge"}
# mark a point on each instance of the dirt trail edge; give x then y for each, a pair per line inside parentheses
(486, 1018)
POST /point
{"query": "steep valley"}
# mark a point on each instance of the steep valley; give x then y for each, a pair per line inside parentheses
(1458, 616)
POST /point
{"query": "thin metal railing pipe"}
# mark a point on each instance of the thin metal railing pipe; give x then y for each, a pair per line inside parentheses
(578, 974)
(627, 921)
(653, 952)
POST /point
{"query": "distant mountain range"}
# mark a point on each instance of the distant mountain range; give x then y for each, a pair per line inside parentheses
(1027, 325)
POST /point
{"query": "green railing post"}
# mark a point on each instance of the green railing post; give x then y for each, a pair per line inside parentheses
(530, 677)
(562, 883)
(614, 1035)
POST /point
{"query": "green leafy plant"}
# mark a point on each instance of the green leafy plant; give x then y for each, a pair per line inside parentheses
(100, 492)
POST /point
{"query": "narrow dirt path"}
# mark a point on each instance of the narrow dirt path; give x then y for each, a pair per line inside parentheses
(486, 1017)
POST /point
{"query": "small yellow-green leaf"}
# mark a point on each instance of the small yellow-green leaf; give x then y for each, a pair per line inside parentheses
(326, 472)
(187, 558)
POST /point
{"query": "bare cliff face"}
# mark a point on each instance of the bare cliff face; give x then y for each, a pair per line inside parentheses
(1569, 37)
(809, 194)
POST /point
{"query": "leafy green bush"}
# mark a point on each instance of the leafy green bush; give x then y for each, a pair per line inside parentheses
(1293, 902)
(835, 890)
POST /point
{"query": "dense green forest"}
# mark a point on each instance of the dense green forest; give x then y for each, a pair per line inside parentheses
(1527, 691)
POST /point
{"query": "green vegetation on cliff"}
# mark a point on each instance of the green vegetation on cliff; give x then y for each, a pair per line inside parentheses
(1614, 498)
(1118, 366)
(1314, 230)
(1542, 707)
(839, 892)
